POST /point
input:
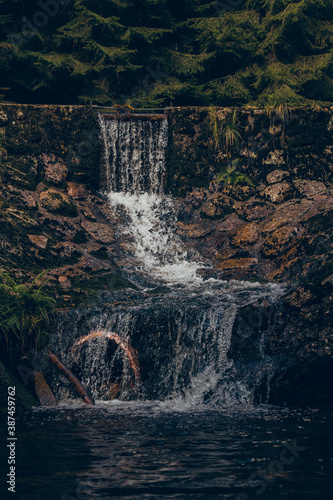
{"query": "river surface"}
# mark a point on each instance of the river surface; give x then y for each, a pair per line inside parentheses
(150, 450)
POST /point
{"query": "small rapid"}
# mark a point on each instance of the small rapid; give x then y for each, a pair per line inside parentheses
(135, 165)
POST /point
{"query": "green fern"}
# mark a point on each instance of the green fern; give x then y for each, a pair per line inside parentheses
(229, 175)
(24, 314)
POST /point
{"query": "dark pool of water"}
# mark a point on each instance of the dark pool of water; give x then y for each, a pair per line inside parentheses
(150, 451)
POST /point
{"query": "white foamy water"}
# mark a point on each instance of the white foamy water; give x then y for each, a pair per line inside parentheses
(134, 157)
(151, 228)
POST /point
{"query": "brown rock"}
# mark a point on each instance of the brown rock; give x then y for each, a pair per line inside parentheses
(76, 190)
(19, 218)
(216, 206)
(310, 188)
(255, 211)
(277, 193)
(299, 298)
(3, 116)
(196, 197)
(193, 230)
(54, 201)
(242, 193)
(228, 224)
(244, 263)
(62, 279)
(246, 235)
(39, 240)
(92, 264)
(99, 232)
(277, 176)
(66, 249)
(28, 199)
(275, 244)
(55, 170)
(291, 211)
(87, 213)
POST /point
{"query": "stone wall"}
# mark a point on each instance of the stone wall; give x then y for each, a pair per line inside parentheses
(51, 214)
(279, 229)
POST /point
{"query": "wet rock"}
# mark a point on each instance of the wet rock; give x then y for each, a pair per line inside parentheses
(291, 211)
(247, 234)
(192, 230)
(255, 211)
(99, 232)
(55, 171)
(228, 224)
(277, 176)
(279, 192)
(76, 190)
(55, 201)
(216, 206)
(243, 263)
(275, 244)
(310, 188)
(299, 298)
(38, 240)
(196, 197)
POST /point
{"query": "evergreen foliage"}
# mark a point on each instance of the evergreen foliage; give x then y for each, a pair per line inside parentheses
(260, 52)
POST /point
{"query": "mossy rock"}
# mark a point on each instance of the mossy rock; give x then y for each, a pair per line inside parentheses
(57, 202)
(23, 398)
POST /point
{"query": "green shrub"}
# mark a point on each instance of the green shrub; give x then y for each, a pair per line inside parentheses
(24, 315)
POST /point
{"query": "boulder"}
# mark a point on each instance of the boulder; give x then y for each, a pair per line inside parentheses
(216, 207)
(255, 211)
(310, 189)
(28, 199)
(38, 240)
(76, 190)
(247, 234)
(54, 169)
(277, 193)
(277, 176)
(276, 243)
(55, 201)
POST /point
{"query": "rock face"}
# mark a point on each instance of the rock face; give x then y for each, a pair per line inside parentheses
(51, 215)
(280, 230)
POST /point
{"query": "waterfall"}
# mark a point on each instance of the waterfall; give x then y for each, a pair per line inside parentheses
(135, 171)
(180, 333)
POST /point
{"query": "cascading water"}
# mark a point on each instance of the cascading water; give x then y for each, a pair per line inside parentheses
(135, 166)
(182, 331)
